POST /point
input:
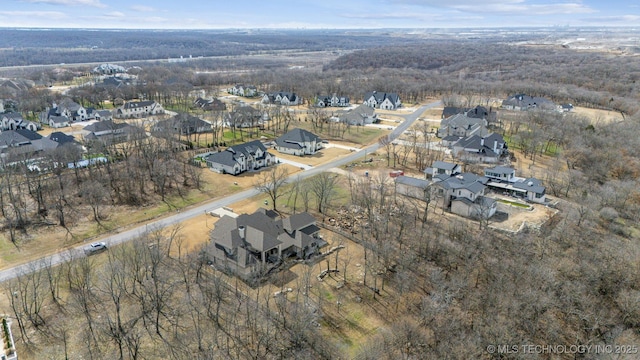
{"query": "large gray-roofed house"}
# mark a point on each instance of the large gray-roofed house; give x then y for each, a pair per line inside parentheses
(359, 116)
(487, 149)
(298, 142)
(236, 159)
(462, 125)
(525, 102)
(442, 167)
(252, 243)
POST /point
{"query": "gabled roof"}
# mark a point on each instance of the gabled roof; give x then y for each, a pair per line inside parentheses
(411, 181)
(381, 96)
(468, 181)
(358, 114)
(296, 138)
(229, 156)
(62, 138)
(59, 119)
(444, 165)
(298, 221)
(138, 104)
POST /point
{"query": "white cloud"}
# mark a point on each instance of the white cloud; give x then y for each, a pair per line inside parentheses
(142, 8)
(94, 3)
(114, 14)
(508, 7)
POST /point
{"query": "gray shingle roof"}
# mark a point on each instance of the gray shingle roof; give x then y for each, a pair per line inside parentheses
(296, 138)
(411, 181)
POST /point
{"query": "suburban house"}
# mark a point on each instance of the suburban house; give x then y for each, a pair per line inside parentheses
(334, 101)
(209, 104)
(503, 179)
(57, 122)
(14, 121)
(412, 187)
(252, 243)
(359, 116)
(245, 117)
(111, 132)
(139, 109)
(64, 140)
(479, 112)
(442, 167)
(463, 194)
(243, 90)
(282, 98)
(462, 125)
(68, 108)
(24, 142)
(487, 149)
(100, 115)
(382, 100)
(522, 102)
(182, 124)
(298, 142)
(237, 159)
(107, 69)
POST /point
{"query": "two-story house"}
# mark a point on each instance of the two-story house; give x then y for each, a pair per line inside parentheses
(442, 167)
(282, 98)
(237, 159)
(243, 90)
(503, 179)
(382, 100)
(298, 142)
(359, 116)
(463, 194)
(139, 109)
(477, 149)
(333, 101)
(462, 125)
(252, 243)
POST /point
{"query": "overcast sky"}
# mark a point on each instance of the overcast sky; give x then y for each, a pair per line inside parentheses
(340, 14)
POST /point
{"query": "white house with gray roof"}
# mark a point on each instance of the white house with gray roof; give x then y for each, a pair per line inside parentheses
(252, 243)
(298, 142)
(382, 100)
(282, 98)
(237, 159)
(139, 109)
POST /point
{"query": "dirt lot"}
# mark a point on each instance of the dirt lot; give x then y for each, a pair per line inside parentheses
(598, 116)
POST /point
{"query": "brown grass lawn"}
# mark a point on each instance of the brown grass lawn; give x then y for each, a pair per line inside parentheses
(598, 117)
(321, 157)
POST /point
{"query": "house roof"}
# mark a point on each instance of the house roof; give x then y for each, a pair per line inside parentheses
(451, 138)
(263, 232)
(452, 110)
(474, 142)
(138, 104)
(358, 114)
(444, 165)
(411, 181)
(381, 96)
(525, 101)
(462, 121)
(468, 181)
(530, 184)
(500, 170)
(478, 112)
(296, 138)
(59, 119)
(229, 156)
(62, 138)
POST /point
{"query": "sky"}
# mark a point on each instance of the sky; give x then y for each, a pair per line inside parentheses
(333, 14)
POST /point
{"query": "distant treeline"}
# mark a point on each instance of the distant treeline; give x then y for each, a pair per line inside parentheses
(40, 47)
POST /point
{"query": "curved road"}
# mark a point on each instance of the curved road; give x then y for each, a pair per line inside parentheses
(189, 213)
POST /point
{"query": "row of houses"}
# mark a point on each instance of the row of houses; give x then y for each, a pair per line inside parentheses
(254, 155)
(373, 99)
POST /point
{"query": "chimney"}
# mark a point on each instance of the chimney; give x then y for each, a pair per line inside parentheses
(495, 146)
(481, 141)
(241, 232)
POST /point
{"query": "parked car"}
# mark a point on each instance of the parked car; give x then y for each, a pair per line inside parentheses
(95, 248)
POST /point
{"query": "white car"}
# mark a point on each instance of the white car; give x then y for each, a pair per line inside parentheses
(95, 247)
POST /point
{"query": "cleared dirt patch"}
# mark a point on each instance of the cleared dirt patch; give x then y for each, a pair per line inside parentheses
(598, 116)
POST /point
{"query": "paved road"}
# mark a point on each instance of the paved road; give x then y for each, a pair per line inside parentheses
(192, 212)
